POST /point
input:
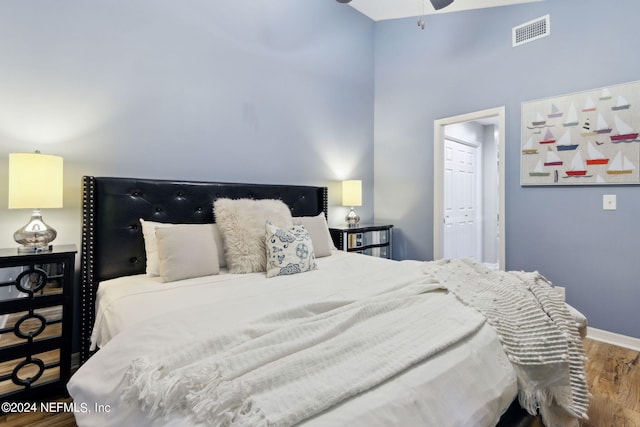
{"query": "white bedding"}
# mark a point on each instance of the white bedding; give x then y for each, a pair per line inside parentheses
(468, 384)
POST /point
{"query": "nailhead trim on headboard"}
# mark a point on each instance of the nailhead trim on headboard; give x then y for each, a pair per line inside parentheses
(87, 292)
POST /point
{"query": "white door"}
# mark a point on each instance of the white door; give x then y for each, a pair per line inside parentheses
(461, 188)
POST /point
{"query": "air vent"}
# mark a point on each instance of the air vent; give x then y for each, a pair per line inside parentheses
(532, 30)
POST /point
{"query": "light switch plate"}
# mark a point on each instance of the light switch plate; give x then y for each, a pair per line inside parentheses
(609, 202)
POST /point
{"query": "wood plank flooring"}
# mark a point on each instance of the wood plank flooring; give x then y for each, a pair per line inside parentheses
(613, 375)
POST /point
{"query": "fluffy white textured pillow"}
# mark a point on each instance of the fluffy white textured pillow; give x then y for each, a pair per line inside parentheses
(185, 251)
(319, 232)
(241, 223)
(289, 251)
(151, 243)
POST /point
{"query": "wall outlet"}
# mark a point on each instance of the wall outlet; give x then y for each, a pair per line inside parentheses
(609, 202)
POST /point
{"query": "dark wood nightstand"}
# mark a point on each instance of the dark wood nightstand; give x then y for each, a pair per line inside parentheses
(368, 239)
(36, 308)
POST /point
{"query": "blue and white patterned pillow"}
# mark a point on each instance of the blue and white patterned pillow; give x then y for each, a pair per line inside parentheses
(289, 251)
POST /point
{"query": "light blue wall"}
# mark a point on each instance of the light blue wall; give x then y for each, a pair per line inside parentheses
(246, 91)
(463, 62)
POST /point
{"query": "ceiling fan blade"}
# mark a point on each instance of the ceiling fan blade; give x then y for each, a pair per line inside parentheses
(439, 4)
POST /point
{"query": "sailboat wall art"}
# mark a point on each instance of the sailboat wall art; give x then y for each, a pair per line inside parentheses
(584, 138)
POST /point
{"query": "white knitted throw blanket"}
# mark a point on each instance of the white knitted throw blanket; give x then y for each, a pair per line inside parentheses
(537, 334)
(294, 364)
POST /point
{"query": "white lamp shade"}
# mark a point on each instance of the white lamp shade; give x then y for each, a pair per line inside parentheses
(35, 181)
(352, 192)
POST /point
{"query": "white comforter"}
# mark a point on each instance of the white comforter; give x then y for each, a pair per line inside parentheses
(468, 384)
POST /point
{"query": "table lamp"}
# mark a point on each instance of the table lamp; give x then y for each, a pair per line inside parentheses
(352, 196)
(35, 182)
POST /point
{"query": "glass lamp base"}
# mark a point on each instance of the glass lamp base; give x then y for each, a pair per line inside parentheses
(352, 219)
(35, 236)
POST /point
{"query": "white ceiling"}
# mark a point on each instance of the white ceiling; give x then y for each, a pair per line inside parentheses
(391, 9)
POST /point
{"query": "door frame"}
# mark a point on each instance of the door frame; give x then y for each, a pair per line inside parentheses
(498, 114)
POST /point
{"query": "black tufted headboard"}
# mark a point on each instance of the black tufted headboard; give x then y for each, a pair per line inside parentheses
(112, 243)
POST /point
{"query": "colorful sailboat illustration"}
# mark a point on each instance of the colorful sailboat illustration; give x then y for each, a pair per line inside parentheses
(625, 132)
(601, 125)
(539, 121)
(605, 94)
(589, 106)
(620, 165)
(539, 170)
(621, 104)
(552, 158)
(595, 156)
(586, 130)
(564, 143)
(572, 117)
(548, 137)
(577, 166)
(528, 147)
(555, 112)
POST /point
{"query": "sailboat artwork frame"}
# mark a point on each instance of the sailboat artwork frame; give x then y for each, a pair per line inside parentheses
(584, 138)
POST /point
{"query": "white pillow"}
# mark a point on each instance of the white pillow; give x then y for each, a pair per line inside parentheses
(319, 232)
(241, 223)
(185, 251)
(289, 251)
(151, 244)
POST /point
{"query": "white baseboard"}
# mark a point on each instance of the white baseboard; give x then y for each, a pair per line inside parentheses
(613, 338)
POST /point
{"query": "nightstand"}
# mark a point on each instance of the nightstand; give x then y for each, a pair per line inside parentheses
(36, 303)
(368, 239)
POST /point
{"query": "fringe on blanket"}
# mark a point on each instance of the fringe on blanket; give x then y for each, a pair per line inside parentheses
(162, 393)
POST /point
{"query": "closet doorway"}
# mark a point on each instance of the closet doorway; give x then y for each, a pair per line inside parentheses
(469, 187)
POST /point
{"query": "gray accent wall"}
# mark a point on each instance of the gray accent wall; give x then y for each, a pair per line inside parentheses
(463, 62)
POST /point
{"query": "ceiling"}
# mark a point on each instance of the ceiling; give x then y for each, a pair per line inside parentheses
(391, 9)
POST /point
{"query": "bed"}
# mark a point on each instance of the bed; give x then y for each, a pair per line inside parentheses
(331, 339)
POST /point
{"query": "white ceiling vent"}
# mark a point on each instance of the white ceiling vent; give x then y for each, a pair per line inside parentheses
(532, 30)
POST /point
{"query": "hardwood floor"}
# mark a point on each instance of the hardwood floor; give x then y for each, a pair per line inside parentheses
(613, 375)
